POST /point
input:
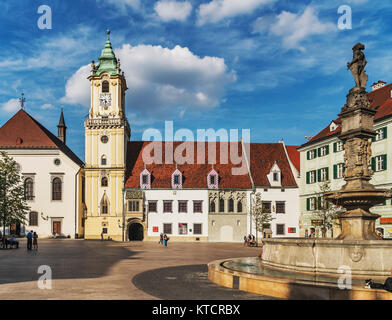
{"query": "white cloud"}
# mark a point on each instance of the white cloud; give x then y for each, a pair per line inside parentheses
(218, 10)
(294, 28)
(123, 4)
(169, 10)
(160, 80)
(47, 106)
(11, 106)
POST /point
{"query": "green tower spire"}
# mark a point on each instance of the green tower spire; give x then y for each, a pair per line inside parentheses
(107, 60)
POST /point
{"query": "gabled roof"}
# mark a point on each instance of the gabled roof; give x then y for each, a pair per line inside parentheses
(194, 175)
(262, 158)
(22, 131)
(379, 99)
(294, 156)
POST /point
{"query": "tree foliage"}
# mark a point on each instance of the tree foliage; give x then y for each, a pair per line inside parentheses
(260, 214)
(13, 206)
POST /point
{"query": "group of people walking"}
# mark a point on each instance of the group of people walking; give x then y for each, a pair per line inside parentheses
(250, 240)
(163, 239)
(32, 240)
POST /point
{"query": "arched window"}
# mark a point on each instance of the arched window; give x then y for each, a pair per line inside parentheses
(212, 206)
(105, 86)
(104, 204)
(29, 189)
(221, 205)
(239, 206)
(104, 182)
(103, 160)
(56, 189)
(231, 205)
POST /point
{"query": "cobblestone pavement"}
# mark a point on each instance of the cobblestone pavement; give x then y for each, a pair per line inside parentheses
(83, 269)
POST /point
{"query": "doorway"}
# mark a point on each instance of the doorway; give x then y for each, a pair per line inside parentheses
(57, 227)
(135, 232)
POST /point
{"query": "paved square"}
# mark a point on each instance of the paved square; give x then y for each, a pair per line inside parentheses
(110, 270)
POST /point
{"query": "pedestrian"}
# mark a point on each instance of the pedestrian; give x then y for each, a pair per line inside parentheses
(165, 240)
(14, 242)
(386, 286)
(245, 241)
(35, 241)
(29, 240)
(102, 236)
(161, 238)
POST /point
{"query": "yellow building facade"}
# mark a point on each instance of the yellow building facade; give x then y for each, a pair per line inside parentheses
(107, 132)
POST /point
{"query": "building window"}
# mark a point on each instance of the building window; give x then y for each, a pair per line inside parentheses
(176, 179)
(104, 139)
(133, 206)
(57, 162)
(323, 151)
(338, 146)
(338, 170)
(167, 207)
(103, 160)
(56, 189)
(33, 219)
(197, 228)
(182, 228)
(197, 207)
(239, 206)
(323, 175)
(311, 177)
(312, 154)
(381, 134)
(311, 204)
(212, 206)
(167, 228)
(280, 229)
(144, 179)
(266, 206)
(104, 182)
(379, 163)
(275, 176)
(212, 179)
(152, 206)
(182, 206)
(29, 189)
(280, 207)
(221, 205)
(231, 205)
(104, 206)
(105, 86)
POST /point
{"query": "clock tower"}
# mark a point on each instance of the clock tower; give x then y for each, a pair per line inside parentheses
(107, 132)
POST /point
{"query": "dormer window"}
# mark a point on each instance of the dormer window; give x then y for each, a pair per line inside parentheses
(176, 179)
(212, 180)
(145, 179)
(333, 126)
(105, 86)
(275, 176)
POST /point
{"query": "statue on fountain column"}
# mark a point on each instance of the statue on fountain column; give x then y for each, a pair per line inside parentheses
(357, 66)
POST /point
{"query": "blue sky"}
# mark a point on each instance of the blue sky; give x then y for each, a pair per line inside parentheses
(276, 67)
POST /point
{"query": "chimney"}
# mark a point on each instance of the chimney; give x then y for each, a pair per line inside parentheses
(378, 85)
(62, 129)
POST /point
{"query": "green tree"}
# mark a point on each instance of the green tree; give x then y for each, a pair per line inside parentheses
(261, 214)
(326, 214)
(13, 206)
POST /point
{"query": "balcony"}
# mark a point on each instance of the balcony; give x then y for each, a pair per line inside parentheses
(105, 122)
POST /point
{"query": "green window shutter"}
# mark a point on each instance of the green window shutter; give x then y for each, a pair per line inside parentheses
(319, 203)
(373, 139)
(335, 147)
(327, 173)
(335, 171)
(307, 177)
(308, 204)
(319, 152)
(385, 132)
(384, 161)
(327, 151)
(308, 155)
(319, 175)
(374, 164)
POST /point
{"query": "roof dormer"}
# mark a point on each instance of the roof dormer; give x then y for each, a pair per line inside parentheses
(176, 179)
(213, 180)
(275, 176)
(145, 179)
(333, 126)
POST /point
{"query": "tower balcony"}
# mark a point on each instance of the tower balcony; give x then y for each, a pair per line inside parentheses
(106, 123)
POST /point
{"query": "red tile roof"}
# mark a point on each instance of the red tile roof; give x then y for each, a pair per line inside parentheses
(22, 131)
(380, 99)
(262, 158)
(195, 175)
(294, 156)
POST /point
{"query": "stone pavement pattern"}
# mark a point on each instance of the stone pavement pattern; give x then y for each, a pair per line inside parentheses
(106, 270)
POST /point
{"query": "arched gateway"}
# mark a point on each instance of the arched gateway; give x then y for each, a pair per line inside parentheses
(135, 230)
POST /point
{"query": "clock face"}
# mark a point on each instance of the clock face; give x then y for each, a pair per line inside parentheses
(105, 99)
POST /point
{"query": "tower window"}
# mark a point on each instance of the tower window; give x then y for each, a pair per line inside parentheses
(103, 160)
(104, 182)
(104, 139)
(105, 86)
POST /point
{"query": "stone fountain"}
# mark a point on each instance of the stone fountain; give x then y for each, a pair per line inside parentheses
(309, 268)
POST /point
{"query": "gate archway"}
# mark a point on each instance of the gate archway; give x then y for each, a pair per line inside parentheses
(135, 231)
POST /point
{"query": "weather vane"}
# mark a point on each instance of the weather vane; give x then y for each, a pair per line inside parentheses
(22, 101)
